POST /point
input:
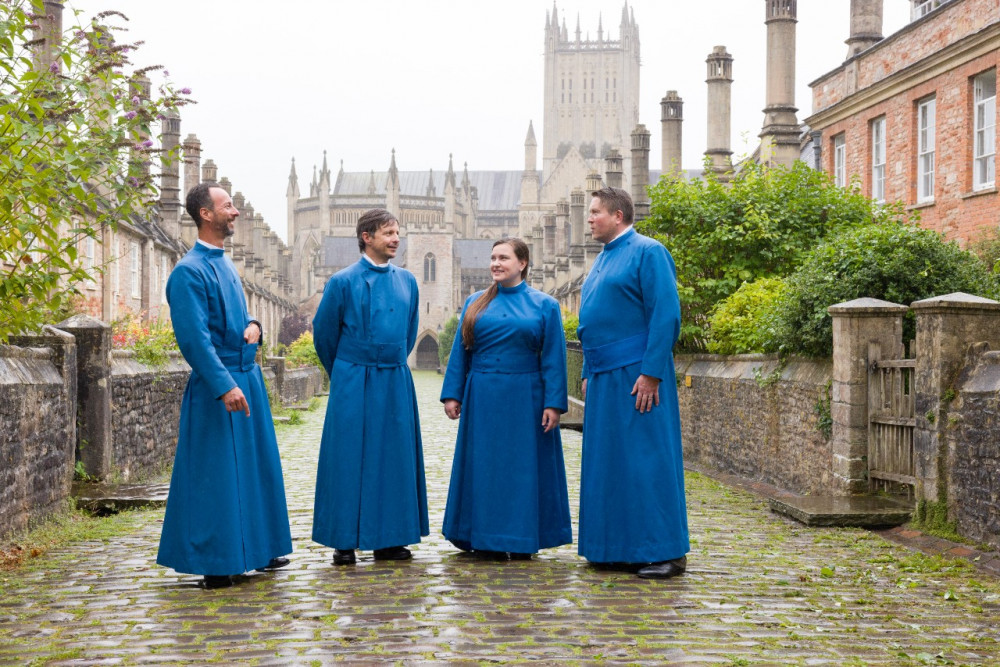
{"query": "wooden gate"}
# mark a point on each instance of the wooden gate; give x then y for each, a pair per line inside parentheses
(890, 424)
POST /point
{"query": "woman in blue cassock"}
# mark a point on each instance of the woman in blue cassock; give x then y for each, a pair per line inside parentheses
(506, 378)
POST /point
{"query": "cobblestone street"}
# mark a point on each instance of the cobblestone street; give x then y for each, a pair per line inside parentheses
(760, 589)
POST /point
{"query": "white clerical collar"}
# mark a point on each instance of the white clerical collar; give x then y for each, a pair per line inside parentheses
(209, 245)
(372, 261)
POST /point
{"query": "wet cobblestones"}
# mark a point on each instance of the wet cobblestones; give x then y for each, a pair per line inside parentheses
(760, 589)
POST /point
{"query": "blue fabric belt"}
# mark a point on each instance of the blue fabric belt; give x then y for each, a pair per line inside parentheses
(506, 363)
(238, 359)
(370, 353)
(614, 355)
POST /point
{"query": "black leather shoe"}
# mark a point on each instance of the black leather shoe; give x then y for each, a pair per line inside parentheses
(393, 553)
(213, 581)
(274, 564)
(483, 554)
(615, 566)
(513, 555)
(664, 569)
(344, 557)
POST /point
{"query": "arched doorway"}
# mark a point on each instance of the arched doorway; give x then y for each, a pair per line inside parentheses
(427, 354)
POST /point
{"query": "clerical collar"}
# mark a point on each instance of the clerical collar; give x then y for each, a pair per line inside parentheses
(209, 245)
(372, 261)
(621, 233)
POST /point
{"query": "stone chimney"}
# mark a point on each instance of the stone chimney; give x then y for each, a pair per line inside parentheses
(720, 84)
(671, 119)
(613, 168)
(640, 171)
(192, 162)
(780, 135)
(866, 25)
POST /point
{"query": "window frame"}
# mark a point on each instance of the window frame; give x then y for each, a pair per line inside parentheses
(984, 118)
(840, 160)
(878, 138)
(926, 149)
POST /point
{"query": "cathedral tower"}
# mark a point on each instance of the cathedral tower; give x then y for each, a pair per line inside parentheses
(591, 89)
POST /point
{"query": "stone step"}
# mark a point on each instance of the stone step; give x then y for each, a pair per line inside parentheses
(857, 511)
(107, 499)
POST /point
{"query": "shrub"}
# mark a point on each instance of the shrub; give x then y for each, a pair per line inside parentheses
(292, 328)
(761, 225)
(894, 262)
(571, 323)
(302, 352)
(151, 342)
(746, 321)
(446, 339)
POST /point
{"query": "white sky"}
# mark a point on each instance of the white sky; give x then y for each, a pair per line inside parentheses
(432, 77)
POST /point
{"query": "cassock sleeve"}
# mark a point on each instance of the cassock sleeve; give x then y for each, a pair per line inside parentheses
(458, 363)
(326, 323)
(187, 295)
(411, 331)
(658, 282)
(553, 357)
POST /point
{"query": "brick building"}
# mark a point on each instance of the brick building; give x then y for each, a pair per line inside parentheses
(912, 117)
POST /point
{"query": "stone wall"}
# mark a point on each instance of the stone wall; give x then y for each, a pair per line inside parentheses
(37, 431)
(751, 416)
(146, 408)
(972, 433)
(301, 384)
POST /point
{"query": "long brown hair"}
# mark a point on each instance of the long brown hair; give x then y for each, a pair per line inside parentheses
(476, 308)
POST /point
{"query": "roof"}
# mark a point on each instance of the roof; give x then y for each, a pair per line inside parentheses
(340, 251)
(498, 190)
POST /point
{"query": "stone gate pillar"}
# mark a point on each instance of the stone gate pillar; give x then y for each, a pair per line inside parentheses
(862, 329)
(946, 327)
(93, 412)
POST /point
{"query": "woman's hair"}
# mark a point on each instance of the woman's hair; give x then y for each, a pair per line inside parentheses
(479, 305)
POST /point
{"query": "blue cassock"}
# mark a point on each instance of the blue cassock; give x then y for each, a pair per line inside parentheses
(226, 511)
(632, 505)
(370, 491)
(508, 481)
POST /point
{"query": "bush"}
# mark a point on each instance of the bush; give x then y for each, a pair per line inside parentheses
(894, 262)
(759, 226)
(151, 342)
(571, 323)
(292, 328)
(446, 339)
(746, 321)
(302, 352)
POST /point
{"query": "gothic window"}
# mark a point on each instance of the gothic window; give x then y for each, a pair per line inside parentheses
(878, 159)
(430, 268)
(925, 150)
(985, 137)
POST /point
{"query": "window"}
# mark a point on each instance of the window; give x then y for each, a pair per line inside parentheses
(430, 268)
(985, 138)
(164, 274)
(87, 259)
(839, 161)
(134, 266)
(924, 7)
(926, 112)
(878, 159)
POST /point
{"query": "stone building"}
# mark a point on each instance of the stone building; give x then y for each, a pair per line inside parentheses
(912, 116)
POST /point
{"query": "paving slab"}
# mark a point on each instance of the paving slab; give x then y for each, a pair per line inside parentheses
(761, 589)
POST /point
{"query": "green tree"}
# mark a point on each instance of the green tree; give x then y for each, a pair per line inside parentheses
(895, 262)
(758, 226)
(446, 339)
(74, 145)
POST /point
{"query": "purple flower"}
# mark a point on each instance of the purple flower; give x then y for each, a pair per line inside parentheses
(130, 115)
(54, 68)
(185, 91)
(134, 181)
(147, 143)
(166, 72)
(160, 116)
(136, 100)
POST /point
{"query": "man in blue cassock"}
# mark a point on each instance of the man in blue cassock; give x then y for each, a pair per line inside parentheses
(632, 510)
(226, 511)
(370, 490)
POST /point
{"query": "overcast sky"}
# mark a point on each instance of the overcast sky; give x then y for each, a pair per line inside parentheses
(358, 78)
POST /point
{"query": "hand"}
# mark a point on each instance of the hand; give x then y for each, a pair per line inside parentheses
(452, 408)
(583, 388)
(252, 333)
(647, 393)
(235, 401)
(550, 419)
